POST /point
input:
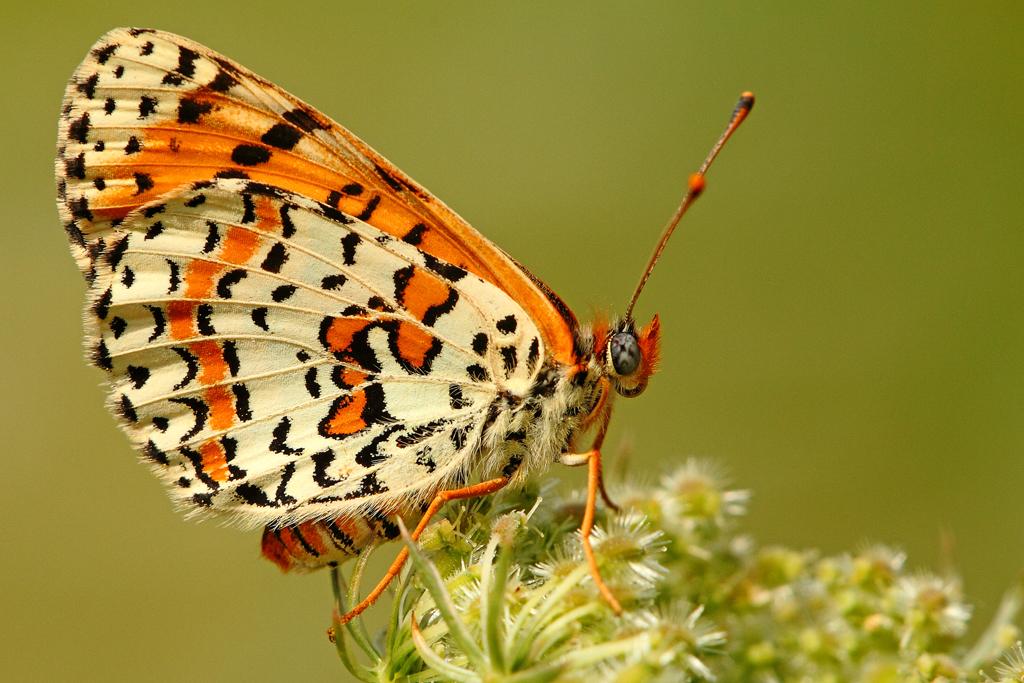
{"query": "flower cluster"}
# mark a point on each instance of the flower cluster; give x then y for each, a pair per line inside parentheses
(499, 590)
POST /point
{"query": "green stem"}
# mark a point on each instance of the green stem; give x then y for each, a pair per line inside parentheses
(431, 578)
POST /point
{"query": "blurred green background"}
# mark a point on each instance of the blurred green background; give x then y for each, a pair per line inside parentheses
(842, 311)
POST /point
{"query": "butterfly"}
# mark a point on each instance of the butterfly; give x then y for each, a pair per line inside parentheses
(297, 335)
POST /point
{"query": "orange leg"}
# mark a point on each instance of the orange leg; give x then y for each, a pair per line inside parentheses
(475, 491)
(600, 487)
(593, 485)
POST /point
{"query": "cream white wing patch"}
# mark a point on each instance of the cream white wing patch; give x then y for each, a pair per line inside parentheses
(278, 360)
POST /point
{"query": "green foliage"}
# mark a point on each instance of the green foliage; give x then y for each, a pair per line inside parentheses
(499, 591)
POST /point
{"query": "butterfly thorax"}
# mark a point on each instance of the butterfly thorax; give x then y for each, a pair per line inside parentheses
(525, 433)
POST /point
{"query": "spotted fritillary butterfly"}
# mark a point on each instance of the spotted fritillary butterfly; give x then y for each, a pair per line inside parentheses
(297, 335)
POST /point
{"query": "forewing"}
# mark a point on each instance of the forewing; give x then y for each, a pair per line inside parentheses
(278, 360)
(148, 112)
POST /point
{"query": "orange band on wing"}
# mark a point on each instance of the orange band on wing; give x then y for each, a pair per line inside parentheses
(346, 416)
(199, 278)
(414, 344)
(222, 408)
(182, 318)
(339, 335)
(239, 246)
(215, 464)
(211, 361)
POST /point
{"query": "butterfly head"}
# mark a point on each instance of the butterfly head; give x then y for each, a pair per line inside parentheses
(631, 356)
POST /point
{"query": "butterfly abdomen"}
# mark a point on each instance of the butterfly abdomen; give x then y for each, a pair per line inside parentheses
(313, 545)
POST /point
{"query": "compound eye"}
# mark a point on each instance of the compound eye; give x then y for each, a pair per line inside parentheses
(625, 353)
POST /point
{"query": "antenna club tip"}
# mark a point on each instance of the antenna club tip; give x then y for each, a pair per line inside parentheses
(746, 101)
(696, 184)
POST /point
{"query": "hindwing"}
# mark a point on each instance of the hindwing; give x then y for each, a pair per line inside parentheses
(279, 360)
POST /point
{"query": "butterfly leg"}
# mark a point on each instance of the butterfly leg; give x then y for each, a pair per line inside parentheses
(592, 458)
(482, 489)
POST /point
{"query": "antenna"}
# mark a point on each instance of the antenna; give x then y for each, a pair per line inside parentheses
(693, 190)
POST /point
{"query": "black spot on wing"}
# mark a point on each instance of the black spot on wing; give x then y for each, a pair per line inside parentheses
(102, 305)
(147, 105)
(154, 454)
(88, 86)
(371, 206)
(378, 304)
(248, 209)
(242, 409)
(143, 183)
(259, 318)
(421, 433)
(533, 355)
(477, 373)
(154, 230)
(507, 325)
(79, 207)
(369, 485)
(401, 278)
(133, 146)
(159, 322)
(222, 82)
(455, 398)
(186, 62)
(118, 326)
(230, 352)
(191, 366)
(415, 236)
(282, 136)
(191, 109)
(212, 237)
(445, 270)
(101, 356)
(75, 166)
(103, 54)
(480, 343)
(459, 435)
(370, 454)
(200, 411)
(348, 248)
(173, 278)
(138, 375)
(197, 200)
(125, 409)
(392, 182)
(276, 258)
(283, 293)
(321, 461)
(287, 227)
(304, 119)
(312, 386)
(115, 255)
(278, 443)
(333, 282)
(204, 320)
(79, 129)
(250, 155)
(229, 280)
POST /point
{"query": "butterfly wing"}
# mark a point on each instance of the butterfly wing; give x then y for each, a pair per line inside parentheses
(280, 361)
(148, 112)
